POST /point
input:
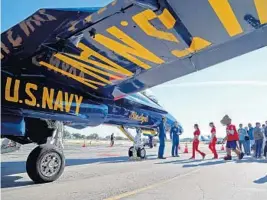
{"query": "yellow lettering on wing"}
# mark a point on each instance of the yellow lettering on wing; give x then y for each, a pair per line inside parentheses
(68, 101)
(28, 88)
(88, 18)
(143, 21)
(5, 49)
(101, 10)
(110, 65)
(72, 27)
(261, 6)
(59, 101)
(114, 2)
(47, 99)
(85, 68)
(196, 45)
(15, 96)
(77, 78)
(78, 100)
(27, 25)
(128, 51)
(14, 41)
(48, 16)
(225, 13)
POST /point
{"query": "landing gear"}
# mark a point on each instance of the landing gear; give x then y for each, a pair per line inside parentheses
(139, 153)
(45, 164)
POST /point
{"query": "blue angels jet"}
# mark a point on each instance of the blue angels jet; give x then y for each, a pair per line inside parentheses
(90, 66)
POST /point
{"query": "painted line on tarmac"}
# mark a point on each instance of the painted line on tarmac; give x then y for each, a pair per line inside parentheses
(137, 191)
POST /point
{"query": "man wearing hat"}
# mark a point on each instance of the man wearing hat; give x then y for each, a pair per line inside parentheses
(232, 138)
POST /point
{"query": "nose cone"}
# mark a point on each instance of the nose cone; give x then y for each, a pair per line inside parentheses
(170, 120)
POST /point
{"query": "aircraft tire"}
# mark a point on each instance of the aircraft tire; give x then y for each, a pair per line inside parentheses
(130, 152)
(141, 153)
(45, 164)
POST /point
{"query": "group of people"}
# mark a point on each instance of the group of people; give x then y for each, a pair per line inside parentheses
(241, 141)
(253, 139)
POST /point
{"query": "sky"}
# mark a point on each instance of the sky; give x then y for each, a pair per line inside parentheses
(237, 87)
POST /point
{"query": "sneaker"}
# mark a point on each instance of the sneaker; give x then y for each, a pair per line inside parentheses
(241, 155)
(192, 158)
(161, 158)
(227, 158)
(203, 157)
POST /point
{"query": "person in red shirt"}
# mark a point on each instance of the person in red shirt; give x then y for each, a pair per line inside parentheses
(196, 143)
(231, 138)
(213, 141)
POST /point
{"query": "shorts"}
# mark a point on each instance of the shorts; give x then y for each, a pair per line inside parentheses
(231, 145)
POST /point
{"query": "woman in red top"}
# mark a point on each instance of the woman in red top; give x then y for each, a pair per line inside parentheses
(196, 143)
(213, 141)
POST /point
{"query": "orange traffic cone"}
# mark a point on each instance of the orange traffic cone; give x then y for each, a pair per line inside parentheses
(222, 148)
(186, 149)
(83, 144)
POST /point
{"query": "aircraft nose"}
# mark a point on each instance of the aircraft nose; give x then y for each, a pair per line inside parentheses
(170, 119)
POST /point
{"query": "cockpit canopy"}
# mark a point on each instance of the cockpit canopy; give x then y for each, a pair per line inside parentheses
(149, 94)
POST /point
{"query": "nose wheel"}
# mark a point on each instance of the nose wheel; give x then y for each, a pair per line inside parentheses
(45, 164)
(139, 153)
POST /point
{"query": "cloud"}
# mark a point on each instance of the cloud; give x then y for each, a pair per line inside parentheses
(215, 83)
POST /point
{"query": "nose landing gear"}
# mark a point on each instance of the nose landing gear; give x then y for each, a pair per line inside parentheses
(140, 152)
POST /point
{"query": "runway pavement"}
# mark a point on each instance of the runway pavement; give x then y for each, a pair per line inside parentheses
(101, 172)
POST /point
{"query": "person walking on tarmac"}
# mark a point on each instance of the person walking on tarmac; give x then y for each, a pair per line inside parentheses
(212, 145)
(174, 135)
(162, 137)
(112, 140)
(196, 143)
(231, 138)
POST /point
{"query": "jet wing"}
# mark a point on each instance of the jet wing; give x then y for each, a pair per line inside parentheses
(131, 45)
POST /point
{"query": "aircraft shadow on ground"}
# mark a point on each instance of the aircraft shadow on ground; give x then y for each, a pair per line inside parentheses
(261, 180)
(217, 162)
(198, 162)
(9, 169)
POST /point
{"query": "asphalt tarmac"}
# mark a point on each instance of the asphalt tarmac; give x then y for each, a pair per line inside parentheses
(101, 172)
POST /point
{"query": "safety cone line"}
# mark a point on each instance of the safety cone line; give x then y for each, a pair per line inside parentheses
(186, 149)
(83, 144)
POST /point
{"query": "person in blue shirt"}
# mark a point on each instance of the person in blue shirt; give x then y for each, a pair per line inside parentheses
(243, 139)
(162, 137)
(250, 134)
(176, 130)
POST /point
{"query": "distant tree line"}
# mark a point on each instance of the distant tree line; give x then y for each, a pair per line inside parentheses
(93, 136)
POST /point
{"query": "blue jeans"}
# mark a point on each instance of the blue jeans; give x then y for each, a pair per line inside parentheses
(246, 146)
(258, 147)
(175, 143)
(161, 147)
